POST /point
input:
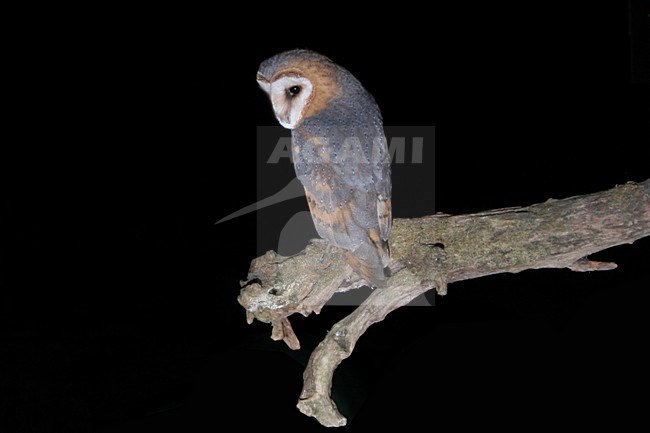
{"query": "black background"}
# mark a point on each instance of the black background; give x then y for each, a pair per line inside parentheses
(128, 137)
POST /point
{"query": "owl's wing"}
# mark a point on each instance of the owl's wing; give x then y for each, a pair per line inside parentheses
(375, 167)
(380, 162)
(345, 168)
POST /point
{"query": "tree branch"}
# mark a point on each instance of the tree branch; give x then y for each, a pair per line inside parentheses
(431, 252)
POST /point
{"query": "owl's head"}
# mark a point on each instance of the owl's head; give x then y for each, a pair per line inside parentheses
(300, 84)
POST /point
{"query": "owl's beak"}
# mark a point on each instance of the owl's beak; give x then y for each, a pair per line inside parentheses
(284, 119)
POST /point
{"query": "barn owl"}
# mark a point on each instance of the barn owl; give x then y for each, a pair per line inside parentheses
(339, 152)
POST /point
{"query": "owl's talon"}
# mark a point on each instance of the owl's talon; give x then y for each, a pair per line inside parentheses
(394, 267)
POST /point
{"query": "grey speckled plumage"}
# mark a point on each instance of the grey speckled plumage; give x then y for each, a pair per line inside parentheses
(340, 154)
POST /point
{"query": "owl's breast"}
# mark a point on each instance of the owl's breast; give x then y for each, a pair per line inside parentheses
(311, 153)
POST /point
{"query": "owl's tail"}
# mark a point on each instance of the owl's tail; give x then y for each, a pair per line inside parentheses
(371, 262)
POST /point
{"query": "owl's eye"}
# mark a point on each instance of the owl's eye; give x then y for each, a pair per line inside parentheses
(293, 91)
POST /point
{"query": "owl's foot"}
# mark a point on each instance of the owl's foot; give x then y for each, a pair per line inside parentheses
(393, 267)
(351, 282)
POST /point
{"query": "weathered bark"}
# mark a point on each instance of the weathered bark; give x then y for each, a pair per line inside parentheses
(431, 252)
